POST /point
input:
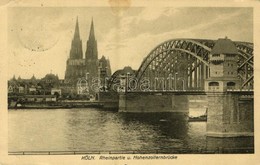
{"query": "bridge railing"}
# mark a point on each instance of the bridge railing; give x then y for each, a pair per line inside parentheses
(190, 90)
(217, 150)
(240, 90)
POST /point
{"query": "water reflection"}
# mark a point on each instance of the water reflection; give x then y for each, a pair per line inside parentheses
(170, 125)
(160, 130)
(89, 129)
(99, 130)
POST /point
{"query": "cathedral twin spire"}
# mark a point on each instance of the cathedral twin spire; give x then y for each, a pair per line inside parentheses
(76, 45)
(91, 33)
(77, 66)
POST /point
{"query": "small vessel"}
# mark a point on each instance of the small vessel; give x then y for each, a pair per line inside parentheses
(199, 118)
(162, 120)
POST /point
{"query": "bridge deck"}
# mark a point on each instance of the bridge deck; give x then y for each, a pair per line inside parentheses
(192, 92)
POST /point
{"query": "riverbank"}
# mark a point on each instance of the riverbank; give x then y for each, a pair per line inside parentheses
(65, 105)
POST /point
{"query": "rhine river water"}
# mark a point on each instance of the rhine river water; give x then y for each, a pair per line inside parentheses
(99, 130)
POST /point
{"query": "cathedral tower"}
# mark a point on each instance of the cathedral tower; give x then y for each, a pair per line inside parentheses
(75, 64)
(91, 56)
(76, 44)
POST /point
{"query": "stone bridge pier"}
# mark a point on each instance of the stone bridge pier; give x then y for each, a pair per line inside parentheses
(230, 122)
(230, 114)
(230, 105)
(140, 102)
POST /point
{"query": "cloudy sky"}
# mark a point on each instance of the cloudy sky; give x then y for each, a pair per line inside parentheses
(39, 38)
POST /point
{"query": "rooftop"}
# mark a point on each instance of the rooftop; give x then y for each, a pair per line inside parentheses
(224, 46)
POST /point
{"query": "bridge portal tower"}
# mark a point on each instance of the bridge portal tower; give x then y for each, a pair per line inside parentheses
(223, 67)
(229, 113)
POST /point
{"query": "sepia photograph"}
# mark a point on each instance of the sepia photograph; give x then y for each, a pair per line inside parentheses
(130, 80)
(126, 82)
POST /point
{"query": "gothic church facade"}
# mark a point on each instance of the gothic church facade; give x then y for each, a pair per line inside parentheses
(89, 68)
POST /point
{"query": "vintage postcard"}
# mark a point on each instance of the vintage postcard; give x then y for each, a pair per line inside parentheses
(126, 82)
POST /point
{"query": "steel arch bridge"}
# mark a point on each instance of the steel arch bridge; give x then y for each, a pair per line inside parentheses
(186, 62)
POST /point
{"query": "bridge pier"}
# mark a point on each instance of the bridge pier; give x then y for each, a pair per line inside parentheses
(146, 102)
(230, 145)
(229, 115)
(230, 123)
(230, 109)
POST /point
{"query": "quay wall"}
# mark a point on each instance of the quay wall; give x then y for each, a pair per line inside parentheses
(109, 99)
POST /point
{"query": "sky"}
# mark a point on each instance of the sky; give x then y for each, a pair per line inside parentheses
(39, 38)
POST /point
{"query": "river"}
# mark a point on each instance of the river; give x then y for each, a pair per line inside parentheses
(99, 130)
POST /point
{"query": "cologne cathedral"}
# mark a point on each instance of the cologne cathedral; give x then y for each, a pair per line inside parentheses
(88, 68)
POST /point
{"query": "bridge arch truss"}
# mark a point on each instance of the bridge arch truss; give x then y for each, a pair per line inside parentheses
(184, 64)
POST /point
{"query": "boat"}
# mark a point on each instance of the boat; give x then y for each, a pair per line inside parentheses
(201, 118)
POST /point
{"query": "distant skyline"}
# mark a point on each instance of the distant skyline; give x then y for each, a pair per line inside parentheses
(39, 38)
